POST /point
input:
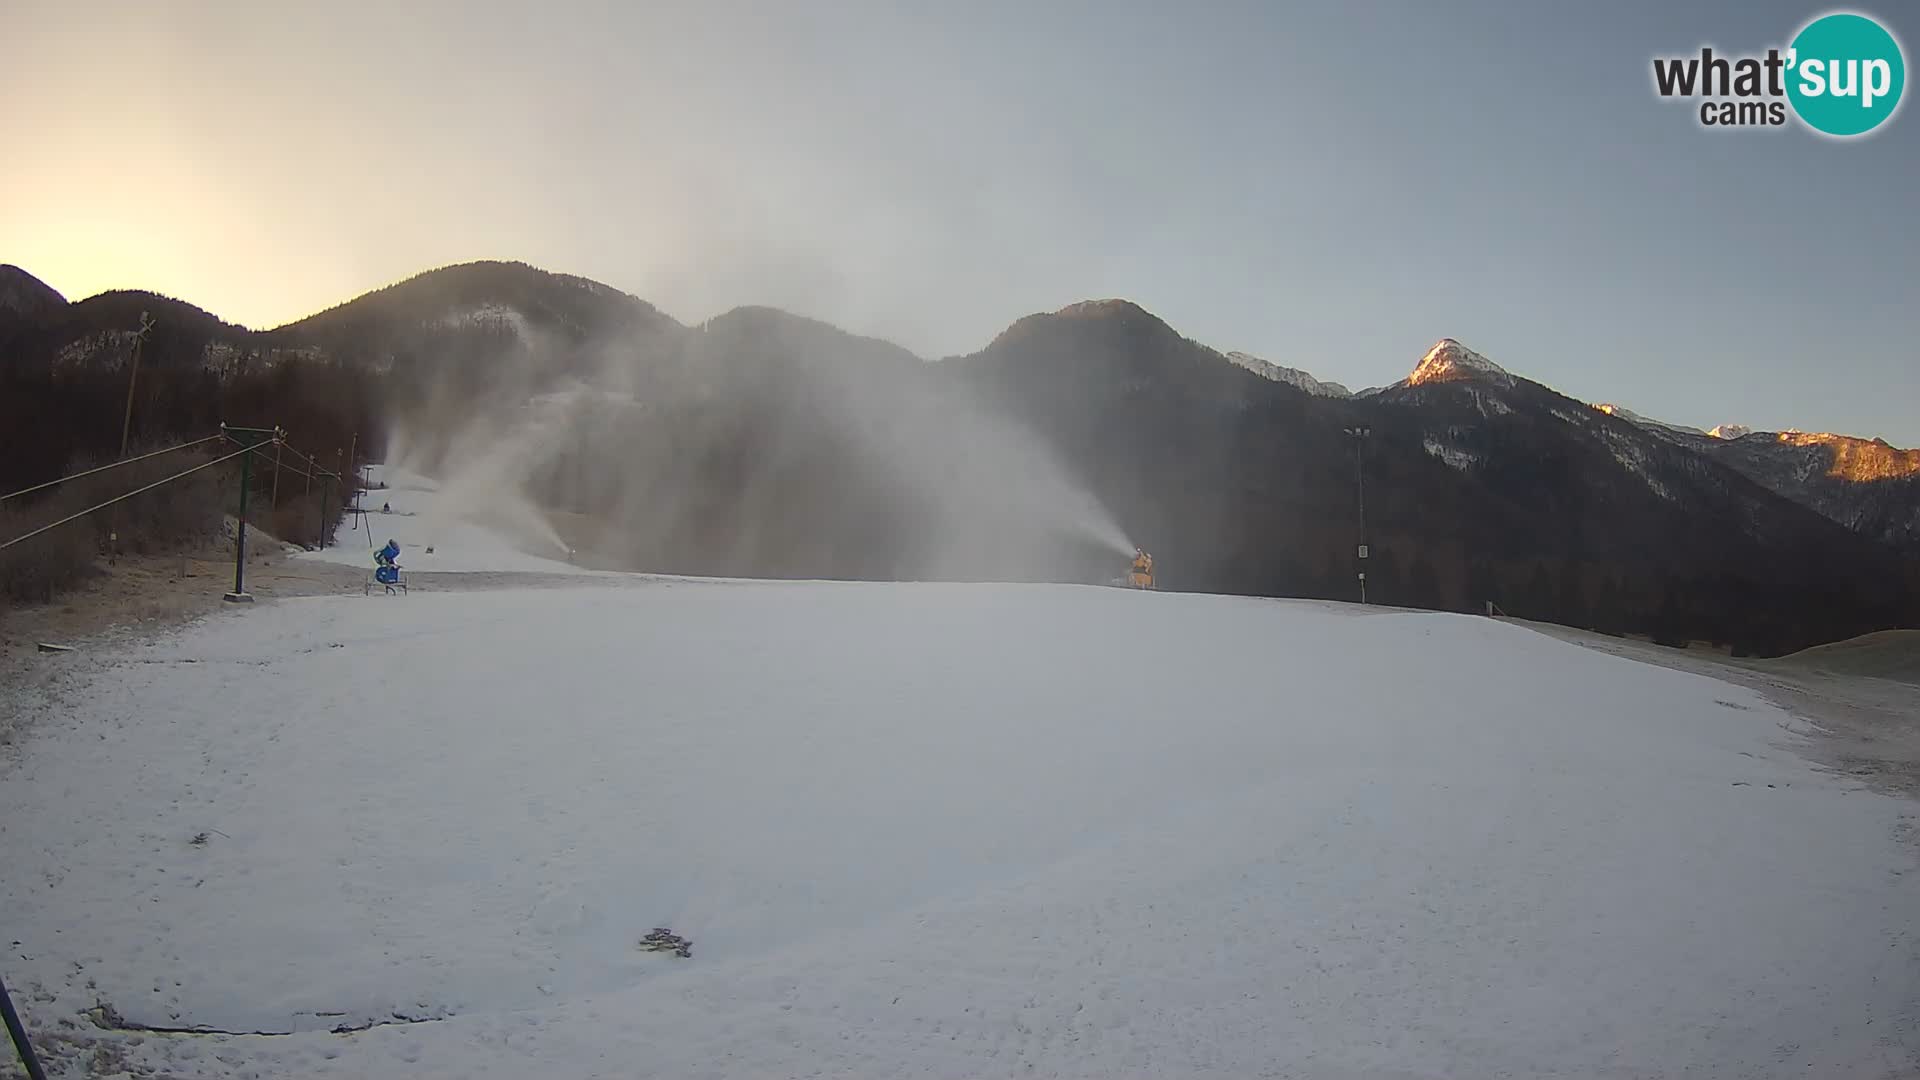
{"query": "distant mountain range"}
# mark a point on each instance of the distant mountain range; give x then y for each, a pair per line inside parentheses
(765, 443)
(24, 296)
(1867, 485)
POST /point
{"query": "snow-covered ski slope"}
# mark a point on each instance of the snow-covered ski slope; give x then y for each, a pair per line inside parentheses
(939, 830)
(465, 531)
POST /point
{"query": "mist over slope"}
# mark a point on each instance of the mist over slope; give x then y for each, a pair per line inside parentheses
(761, 443)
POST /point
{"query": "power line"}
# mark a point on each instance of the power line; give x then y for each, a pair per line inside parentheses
(235, 440)
(122, 498)
(294, 471)
(104, 468)
(277, 442)
(280, 441)
(318, 469)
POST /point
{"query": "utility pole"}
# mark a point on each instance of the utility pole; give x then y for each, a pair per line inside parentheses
(133, 375)
(308, 493)
(325, 486)
(252, 437)
(126, 429)
(1360, 434)
(321, 527)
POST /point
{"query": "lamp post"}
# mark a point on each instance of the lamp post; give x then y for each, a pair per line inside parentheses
(1359, 434)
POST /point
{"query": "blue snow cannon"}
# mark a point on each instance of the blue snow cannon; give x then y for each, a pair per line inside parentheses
(386, 567)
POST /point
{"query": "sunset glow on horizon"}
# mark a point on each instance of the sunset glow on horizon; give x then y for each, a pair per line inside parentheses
(931, 179)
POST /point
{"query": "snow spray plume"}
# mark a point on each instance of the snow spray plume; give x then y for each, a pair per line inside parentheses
(758, 444)
(833, 455)
(482, 449)
(491, 470)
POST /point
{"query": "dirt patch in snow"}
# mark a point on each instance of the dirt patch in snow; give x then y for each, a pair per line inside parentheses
(1866, 726)
(136, 597)
(1889, 654)
(130, 599)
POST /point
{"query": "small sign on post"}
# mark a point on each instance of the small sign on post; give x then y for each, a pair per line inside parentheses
(1363, 551)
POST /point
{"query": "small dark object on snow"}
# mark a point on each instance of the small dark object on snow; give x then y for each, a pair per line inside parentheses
(199, 840)
(665, 940)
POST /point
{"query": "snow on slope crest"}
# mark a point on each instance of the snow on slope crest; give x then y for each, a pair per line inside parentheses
(1854, 458)
(491, 316)
(1450, 361)
(1730, 431)
(1453, 456)
(1293, 377)
(1632, 417)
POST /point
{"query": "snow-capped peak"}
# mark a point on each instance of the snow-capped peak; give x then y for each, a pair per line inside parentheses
(1291, 376)
(1730, 431)
(1449, 361)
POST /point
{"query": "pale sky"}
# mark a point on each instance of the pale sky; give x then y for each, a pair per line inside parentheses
(1332, 187)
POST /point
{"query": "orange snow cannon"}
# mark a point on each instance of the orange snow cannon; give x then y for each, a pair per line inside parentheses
(1141, 576)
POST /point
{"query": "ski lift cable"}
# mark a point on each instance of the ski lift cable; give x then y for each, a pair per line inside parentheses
(294, 470)
(318, 469)
(104, 468)
(121, 498)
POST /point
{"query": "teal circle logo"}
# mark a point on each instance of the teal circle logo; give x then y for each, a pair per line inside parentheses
(1845, 74)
